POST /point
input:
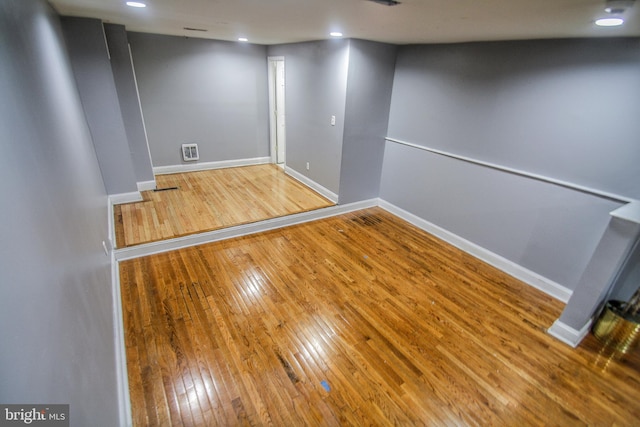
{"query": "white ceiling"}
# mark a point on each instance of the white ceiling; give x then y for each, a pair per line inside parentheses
(413, 21)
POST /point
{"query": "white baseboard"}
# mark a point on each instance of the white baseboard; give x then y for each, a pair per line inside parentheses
(311, 184)
(239, 231)
(200, 166)
(147, 185)
(122, 379)
(547, 286)
(567, 334)
(118, 199)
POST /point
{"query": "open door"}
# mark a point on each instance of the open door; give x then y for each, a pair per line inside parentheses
(277, 109)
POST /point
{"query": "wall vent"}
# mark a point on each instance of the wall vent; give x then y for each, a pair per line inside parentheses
(386, 2)
(190, 152)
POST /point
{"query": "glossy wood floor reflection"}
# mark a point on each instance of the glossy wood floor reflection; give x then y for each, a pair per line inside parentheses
(359, 319)
(210, 200)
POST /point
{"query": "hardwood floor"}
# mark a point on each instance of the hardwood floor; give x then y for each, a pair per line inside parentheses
(210, 200)
(359, 319)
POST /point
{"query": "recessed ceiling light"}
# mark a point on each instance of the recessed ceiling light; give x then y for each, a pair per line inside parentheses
(243, 39)
(136, 4)
(335, 34)
(609, 22)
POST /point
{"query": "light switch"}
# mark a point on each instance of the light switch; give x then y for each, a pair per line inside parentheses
(333, 120)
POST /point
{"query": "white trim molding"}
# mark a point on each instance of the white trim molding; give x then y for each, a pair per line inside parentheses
(629, 212)
(239, 230)
(111, 226)
(566, 184)
(122, 378)
(146, 185)
(567, 334)
(200, 166)
(311, 184)
(531, 278)
(119, 199)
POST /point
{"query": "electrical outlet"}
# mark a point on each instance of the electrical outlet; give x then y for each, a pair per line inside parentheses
(307, 165)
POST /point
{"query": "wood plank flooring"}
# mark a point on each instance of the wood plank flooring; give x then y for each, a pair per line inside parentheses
(210, 200)
(359, 319)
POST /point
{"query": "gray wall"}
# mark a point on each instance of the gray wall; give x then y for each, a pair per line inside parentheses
(315, 89)
(92, 70)
(213, 93)
(368, 99)
(564, 109)
(56, 307)
(124, 78)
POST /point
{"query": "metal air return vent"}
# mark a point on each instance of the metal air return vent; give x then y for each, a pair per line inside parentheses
(190, 152)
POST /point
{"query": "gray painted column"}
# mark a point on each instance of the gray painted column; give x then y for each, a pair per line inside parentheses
(597, 280)
(94, 78)
(368, 99)
(629, 279)
(124, 78)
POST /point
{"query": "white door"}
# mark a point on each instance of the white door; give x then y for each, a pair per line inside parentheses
(277, 110)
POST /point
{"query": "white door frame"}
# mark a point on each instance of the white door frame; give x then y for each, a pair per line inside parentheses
(277, 137)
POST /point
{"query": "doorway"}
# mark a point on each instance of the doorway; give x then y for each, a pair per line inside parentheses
(277, 109)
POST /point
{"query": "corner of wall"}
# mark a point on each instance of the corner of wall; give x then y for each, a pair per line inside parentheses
(312, 184)
(146, 185)
(119, 199)
(567, 334)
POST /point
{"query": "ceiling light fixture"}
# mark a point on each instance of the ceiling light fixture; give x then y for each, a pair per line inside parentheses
(136, 4)
(335, 34)
(609, 22)
(243, 39)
